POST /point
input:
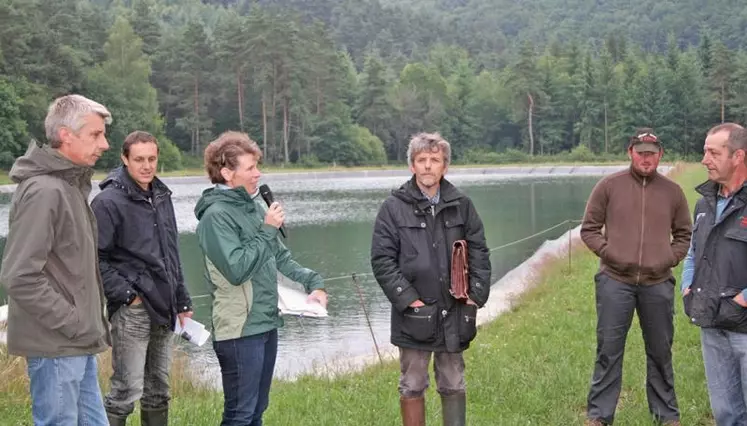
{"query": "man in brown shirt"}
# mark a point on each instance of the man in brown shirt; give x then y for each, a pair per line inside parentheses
(638, 223)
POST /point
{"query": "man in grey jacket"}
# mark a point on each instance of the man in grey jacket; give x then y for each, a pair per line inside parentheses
(50, 268)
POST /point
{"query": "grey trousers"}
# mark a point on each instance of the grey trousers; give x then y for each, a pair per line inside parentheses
(413, 380)
(141, 357)
(616, 303)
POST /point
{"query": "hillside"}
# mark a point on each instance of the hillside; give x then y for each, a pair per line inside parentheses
(348, 82)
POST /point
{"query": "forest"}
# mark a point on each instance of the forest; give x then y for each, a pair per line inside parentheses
(347, 82)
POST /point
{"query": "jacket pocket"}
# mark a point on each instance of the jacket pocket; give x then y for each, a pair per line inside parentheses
(687, 302)
(454, 223)
(134, 321)
(615, 261)
(737, 233)
(421, 324)
(730, 314)
(467, 322)
(659, 263)
(674, 261)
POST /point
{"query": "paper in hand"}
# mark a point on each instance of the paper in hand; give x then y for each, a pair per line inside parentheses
(192, 331)
(294, 302)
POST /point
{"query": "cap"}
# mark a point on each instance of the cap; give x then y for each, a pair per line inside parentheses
(645, 142)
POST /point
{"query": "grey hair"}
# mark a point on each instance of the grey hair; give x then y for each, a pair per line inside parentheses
(426, 142)
(69, 111)
(737, 140)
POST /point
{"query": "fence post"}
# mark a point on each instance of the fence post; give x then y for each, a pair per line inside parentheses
(570, 229)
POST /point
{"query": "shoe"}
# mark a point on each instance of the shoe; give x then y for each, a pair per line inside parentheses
(116, 420)
(158, 417)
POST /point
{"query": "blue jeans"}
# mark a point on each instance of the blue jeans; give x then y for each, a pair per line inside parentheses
(65, 391)
(725, 359)
(246, 367)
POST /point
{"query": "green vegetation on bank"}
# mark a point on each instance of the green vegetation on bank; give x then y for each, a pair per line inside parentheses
(532, 365)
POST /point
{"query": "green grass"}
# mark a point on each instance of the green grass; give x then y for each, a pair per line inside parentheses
(531, 366)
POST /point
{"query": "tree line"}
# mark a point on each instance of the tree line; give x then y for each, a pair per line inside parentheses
(310, 91)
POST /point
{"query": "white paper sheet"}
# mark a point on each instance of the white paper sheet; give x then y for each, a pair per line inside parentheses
(192, 331)
(292, 301)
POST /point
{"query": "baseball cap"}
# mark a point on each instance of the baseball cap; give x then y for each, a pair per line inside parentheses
(645, 141)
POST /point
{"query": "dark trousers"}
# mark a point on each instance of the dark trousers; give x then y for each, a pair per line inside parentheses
(246, 366)
(616, 302)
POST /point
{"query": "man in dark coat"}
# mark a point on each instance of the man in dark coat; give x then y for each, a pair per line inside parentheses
(143, 281)
(714, 277)
(411, 251)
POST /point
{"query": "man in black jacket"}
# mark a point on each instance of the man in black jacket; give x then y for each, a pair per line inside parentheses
(143, 281)
(411, 250)
(714, 279)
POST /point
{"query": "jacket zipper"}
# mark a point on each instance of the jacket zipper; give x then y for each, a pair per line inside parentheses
(418, 317)
(643, 226)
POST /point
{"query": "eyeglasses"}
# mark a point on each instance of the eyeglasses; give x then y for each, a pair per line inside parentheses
(647, 138)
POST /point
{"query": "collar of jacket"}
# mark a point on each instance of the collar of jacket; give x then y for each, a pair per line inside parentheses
(410, 193)
(78, 177)
(237, 196)
(639, 178)
(120, 178)
(710, 191)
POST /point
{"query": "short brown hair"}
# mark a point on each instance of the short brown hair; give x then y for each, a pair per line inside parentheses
(138, 136)
(225, 152)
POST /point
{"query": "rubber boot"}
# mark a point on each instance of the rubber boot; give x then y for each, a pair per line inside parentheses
(157, 417)
(116, 420)
(413, 411)
(454, 409)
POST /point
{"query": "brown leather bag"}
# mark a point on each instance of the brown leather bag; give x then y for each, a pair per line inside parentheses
(459, 271)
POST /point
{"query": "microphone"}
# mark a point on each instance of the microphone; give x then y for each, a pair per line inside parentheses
(266, 194)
